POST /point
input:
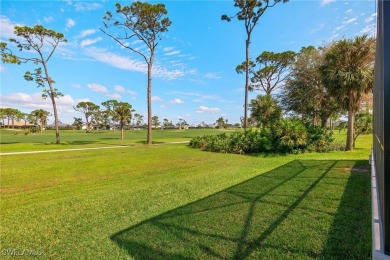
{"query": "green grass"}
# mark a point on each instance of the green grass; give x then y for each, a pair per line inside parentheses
(171, 201)
(70, 139)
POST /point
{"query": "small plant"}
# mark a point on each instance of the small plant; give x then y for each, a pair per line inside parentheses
(15, 133)
(26, 133)
(35, 129)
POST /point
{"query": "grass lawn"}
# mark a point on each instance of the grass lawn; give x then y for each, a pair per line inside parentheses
(16, 141)
(174, 202)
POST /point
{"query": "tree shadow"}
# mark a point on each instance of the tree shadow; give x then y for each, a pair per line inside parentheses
(285, 212)
(153, 142)
(350, 233)
(68, 143)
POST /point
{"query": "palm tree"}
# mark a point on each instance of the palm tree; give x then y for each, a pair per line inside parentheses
(265, 110)
(347, 73)
(221, 122)
(40, 116)
(122, 112)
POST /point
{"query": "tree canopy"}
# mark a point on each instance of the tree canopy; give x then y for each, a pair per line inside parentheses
(141, 21)
(44, 42)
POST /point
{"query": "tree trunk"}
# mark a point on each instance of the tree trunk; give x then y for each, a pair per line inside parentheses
(122, 130)
(53, 101)
(247, 43)
(149, 97)
(351, 120)
(324, 120)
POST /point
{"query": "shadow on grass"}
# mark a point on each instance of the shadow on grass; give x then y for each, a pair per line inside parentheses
(153, 142)
(298, 210)
(10, 142)
(68, 143)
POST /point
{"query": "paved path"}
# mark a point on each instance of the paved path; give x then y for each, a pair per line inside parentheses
(82, 149)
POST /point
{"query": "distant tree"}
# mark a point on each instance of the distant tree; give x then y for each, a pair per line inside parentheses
(362, 125)
(167, 123)
(2, 116)
(347, 73)
(139, 21)
(304, 93)
(78, 123)
(123, 112)
(109, 105)
(181, 123)
(11, 114)
(250, 12)
(265, 110)
(40, 117)
(89, 109)
(155, 121)
(23, 117)
(273, 69)
(41, 41)
(138, 119)
(221, 122)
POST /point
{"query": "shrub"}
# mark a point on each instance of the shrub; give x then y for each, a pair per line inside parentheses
(35, 129)
(285, 136)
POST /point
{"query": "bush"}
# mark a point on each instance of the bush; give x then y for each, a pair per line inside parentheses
(285, 136)
(35, 129)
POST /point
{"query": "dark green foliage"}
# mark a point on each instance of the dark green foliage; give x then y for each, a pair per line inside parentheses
(35, 129)
(265, 110)
(285, 136)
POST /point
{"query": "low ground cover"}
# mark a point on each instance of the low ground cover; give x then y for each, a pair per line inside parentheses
(171, 201)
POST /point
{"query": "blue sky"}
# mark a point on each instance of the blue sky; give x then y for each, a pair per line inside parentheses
(194, 72)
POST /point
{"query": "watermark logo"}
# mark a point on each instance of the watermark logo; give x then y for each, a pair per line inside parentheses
(21, 252)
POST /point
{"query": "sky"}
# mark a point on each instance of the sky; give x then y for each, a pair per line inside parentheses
(194, 75)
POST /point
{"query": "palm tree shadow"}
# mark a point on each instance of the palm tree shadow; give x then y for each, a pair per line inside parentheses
(245, 220)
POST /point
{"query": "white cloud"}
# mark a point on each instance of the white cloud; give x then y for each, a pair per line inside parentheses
(87, 42)
(97, 88)
(48, 19)
(157, 99)
(2, 68)
(76, 85)
(7, 28)
(70, 23)
(172, 53)
(349, 20)
(369, 29)
(177, 101)
(126, 63)
(114, 96)
(131, 92)
(370, 18)
(212, 110)
(212, 76)
(28, 102)
(348, 11)
(120, 89)
(86, 6)
(86, 33)
(338, 28)
(168, 49)
(325, 2)
(318, 28)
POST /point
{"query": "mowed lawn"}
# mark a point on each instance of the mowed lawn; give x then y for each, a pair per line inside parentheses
(174, 202)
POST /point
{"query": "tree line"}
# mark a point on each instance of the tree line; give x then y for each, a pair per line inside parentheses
(317, 82)
(316, 85)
